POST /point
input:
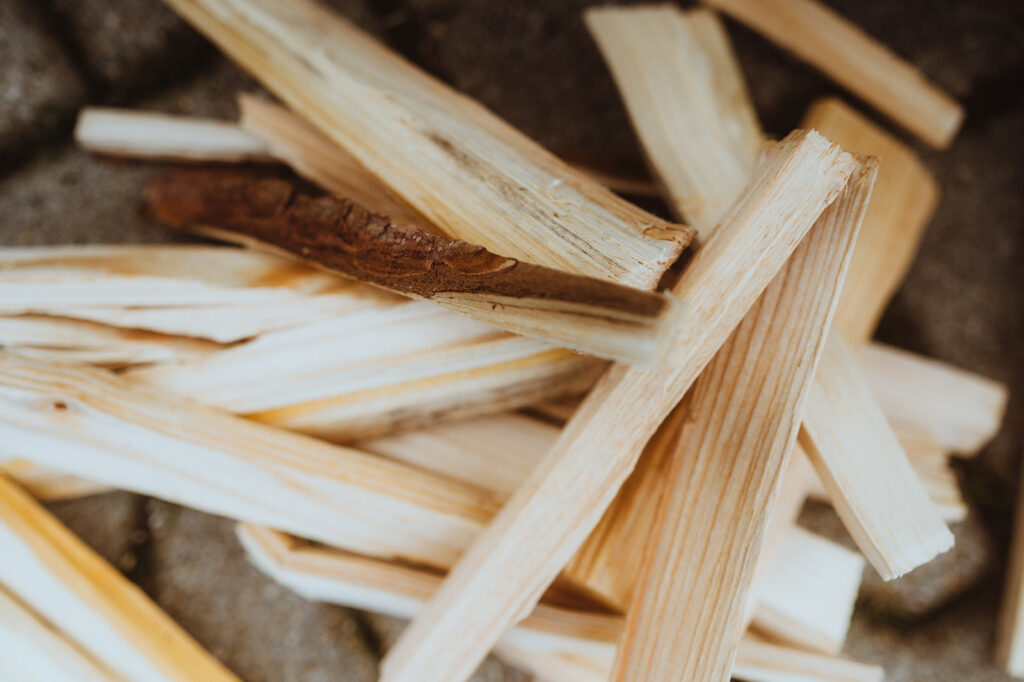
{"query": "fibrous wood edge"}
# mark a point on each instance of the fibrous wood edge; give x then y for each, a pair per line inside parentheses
(579, 640)
(686, 616)
(152, 135)
(633, 42)
(36, 651)
(469, 173)
(93, 605)
(904, 199)
(855, 60)
(871, 484)
(547, 519)
(1010, 631)
(587, 314)
(959, 410)
(92, 424)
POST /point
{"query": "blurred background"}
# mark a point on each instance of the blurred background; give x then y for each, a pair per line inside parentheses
(533, 62)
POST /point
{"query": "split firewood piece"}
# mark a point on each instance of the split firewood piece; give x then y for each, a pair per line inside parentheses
(856, 61)
(583, 313)
(165, 136)
(580, 641)
(1010, 635)
(68, 340)
(904, 199)
(472, 175)
(959, 410)
(90, 423)
(217, 293)
(809, 603)
(32, 650)
(889, 516)
(49, 485)
(547, 519)
(686, 617)
(89, 602)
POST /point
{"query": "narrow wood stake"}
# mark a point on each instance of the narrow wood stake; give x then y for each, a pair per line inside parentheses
(856, 61)
(472, 175)
(587, 314)
(49, 485)
(32, 650)
(92, 604)
(92, 424)
(904, 199)
(959, 410)
(582, 643)
(163, 136)
(1010, 634)
(505, 570)
(686, 617)
(631, 41)
(840, 411)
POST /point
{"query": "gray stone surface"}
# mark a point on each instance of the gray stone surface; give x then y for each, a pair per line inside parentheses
(129, 44)
(196, 570)
(387, 631)
(39, 87)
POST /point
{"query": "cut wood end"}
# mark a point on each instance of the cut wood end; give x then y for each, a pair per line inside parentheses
(928, 547)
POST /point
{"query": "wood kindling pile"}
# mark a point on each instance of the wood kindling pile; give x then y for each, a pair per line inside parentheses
(451, 378)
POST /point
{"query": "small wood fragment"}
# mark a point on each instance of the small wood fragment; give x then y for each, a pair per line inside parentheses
(547, 519)
(586, 314)
(470, 174)
(152, 135)
(856, 61)
(90, 602)
(1010, 632)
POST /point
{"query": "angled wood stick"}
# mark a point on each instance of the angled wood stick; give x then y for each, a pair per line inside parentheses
(584, 313)
(93, 605)
(1010, 633)
(959, 410)
(547, 519)
(164, 136)
(579, 640)
(630, 40)
(856, 61)
(889, 517)
(49, 485)
(904, 199)
(472, 175)
(92, 424)
(32, 650)
(686, 617)
(761, 661)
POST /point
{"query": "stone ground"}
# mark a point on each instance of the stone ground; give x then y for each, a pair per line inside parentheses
(533, 63)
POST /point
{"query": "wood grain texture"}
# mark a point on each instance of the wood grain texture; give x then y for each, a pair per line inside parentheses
(91, 424)
(1010, 632)
(472, 175)
(889, 516)
(152, 135)
(507, 567)
(904, 199)
(93, 605)
(586, 314)
(856, 61)
(49, 485)
(686, 617)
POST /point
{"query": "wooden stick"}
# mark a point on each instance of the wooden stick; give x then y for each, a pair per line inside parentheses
(578, 640)
(587, 314)
(549, 517)
(1010, 633)
(35, 651)
(856, 61)
(889, 517)
(469, 173)
(48, 485)
(685, 620)
(152, 135)
(904, 199)
(92, 424)
(92, 604)
(959, 410)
